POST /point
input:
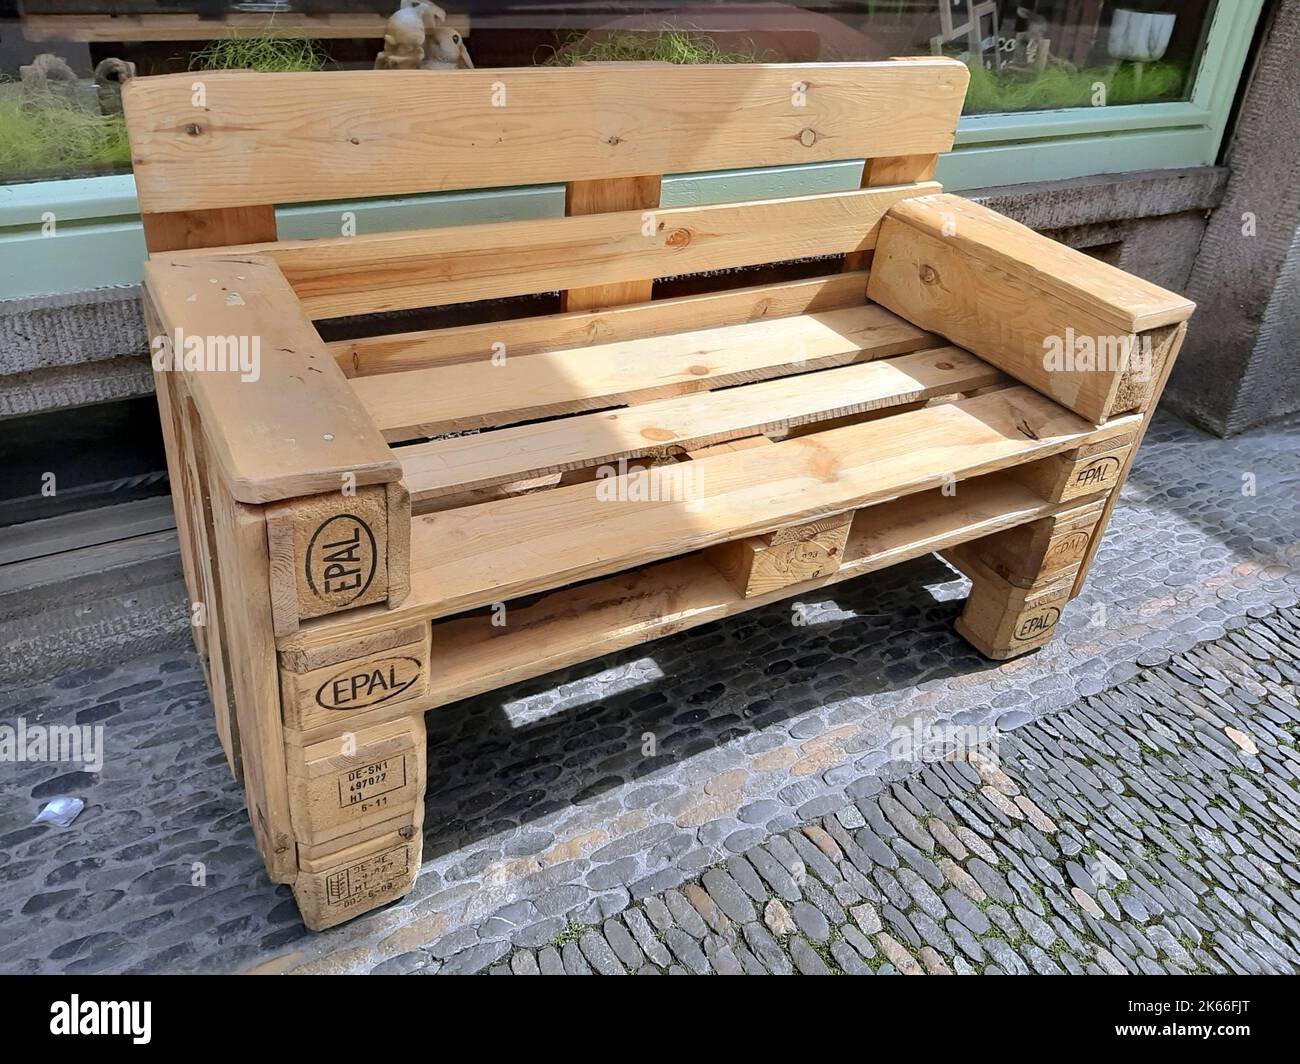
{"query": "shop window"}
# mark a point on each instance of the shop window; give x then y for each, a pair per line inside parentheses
(62, 61)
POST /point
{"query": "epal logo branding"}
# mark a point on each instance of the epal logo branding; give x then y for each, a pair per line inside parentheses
(102, 1017)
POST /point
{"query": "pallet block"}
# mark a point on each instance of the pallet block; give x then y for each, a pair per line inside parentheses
(1004, 621)
(1083, 471)
(785, 556)
(339, 786)
(1022, 578)
(325, 687)
(1041, 550)
(378, 526)
(331, 552)
(333, 887)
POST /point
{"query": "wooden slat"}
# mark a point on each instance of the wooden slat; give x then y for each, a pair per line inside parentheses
(196, 544)
(469, 557)
(599, 197)
(240, 533)
(1017, 299)
(286, 138)
(744, 443)
(556, 332)
(433, 267)
(500, 491)
(298, 428)
(798, 533)
(475, 395)
(214, 648)
(169, 394)
(687, 422)
(1066, 275)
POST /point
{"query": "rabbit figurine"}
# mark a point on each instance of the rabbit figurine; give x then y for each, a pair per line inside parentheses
(444, 49)
(405, 33)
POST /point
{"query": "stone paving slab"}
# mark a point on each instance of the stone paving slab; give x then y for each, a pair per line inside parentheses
(562, 802)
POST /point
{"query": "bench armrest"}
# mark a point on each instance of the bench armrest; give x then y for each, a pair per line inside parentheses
(1085, 333)
(280, 417)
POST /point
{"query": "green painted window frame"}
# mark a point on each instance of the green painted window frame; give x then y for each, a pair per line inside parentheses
(72, 235)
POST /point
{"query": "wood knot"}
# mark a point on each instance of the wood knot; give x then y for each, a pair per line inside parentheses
(808, 138)
(194, 129)
(943, 365)
(929, 275)
(698, 371)
(679, 238)
(658, 434)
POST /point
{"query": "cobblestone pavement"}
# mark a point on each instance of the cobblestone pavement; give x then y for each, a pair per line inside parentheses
(549, 811)
(1154, 828)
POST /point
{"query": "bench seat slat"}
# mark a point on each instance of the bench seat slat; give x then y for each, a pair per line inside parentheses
(473, 556)
(426, 402)
(382, 272)
(666, 426)
(394, 352)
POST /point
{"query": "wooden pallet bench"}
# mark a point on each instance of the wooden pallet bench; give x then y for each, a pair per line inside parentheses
(376, 527)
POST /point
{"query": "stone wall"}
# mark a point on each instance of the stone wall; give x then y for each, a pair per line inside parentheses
(1239, 367)
(1149, 223)
(71, 349)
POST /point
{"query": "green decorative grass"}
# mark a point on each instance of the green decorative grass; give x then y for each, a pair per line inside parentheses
(270, 52)
(664, 46)
(1055, 87)
(44, 134)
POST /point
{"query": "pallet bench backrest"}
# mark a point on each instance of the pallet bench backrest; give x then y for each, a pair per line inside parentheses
(214, 153)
